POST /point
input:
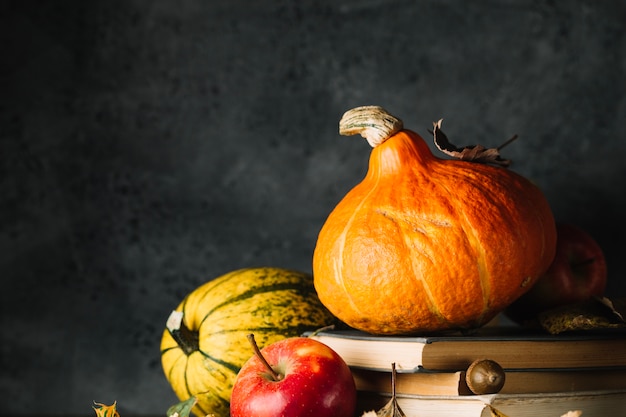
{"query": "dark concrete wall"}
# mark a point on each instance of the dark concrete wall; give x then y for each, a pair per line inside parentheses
(148, 146)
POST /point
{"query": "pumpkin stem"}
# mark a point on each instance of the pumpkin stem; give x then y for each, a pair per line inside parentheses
(186, 339)
(372, 122)
(275, 375)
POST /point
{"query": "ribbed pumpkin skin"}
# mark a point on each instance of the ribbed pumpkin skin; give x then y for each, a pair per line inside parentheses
(272, 303)
(426, 244)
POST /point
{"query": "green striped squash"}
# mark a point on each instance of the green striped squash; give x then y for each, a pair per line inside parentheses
(205, 341)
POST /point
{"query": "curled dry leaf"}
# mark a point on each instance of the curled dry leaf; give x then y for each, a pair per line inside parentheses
(596, 313)
(391, 409)
(473, 153)
(617, 307)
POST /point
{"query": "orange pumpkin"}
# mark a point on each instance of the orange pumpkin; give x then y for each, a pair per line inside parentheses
(428, 244)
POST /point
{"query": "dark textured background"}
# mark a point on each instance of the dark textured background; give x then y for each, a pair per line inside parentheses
(148, 146)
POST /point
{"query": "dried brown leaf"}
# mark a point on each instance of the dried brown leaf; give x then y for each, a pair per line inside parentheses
(391, 409)
(616, 307)
(594, 314)
(473, 153)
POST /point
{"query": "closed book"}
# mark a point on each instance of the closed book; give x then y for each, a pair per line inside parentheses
(523, 381)
(511, 347)
(591, 403)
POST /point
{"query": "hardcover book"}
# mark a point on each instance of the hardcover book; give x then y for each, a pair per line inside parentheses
(512, 347)
(515, 381)
(591, 403)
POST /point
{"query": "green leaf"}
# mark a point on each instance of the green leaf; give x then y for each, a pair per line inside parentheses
(182, 409)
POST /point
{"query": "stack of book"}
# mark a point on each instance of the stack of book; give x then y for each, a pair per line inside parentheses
(545, 375)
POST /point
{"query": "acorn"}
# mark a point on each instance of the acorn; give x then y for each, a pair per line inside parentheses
(485, 376)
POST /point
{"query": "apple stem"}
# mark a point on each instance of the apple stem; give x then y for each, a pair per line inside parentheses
(275, 376)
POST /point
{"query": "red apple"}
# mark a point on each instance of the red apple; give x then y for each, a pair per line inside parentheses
(301, 377)
(577, 273)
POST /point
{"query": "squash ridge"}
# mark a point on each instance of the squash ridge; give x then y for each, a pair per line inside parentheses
(339, 261)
